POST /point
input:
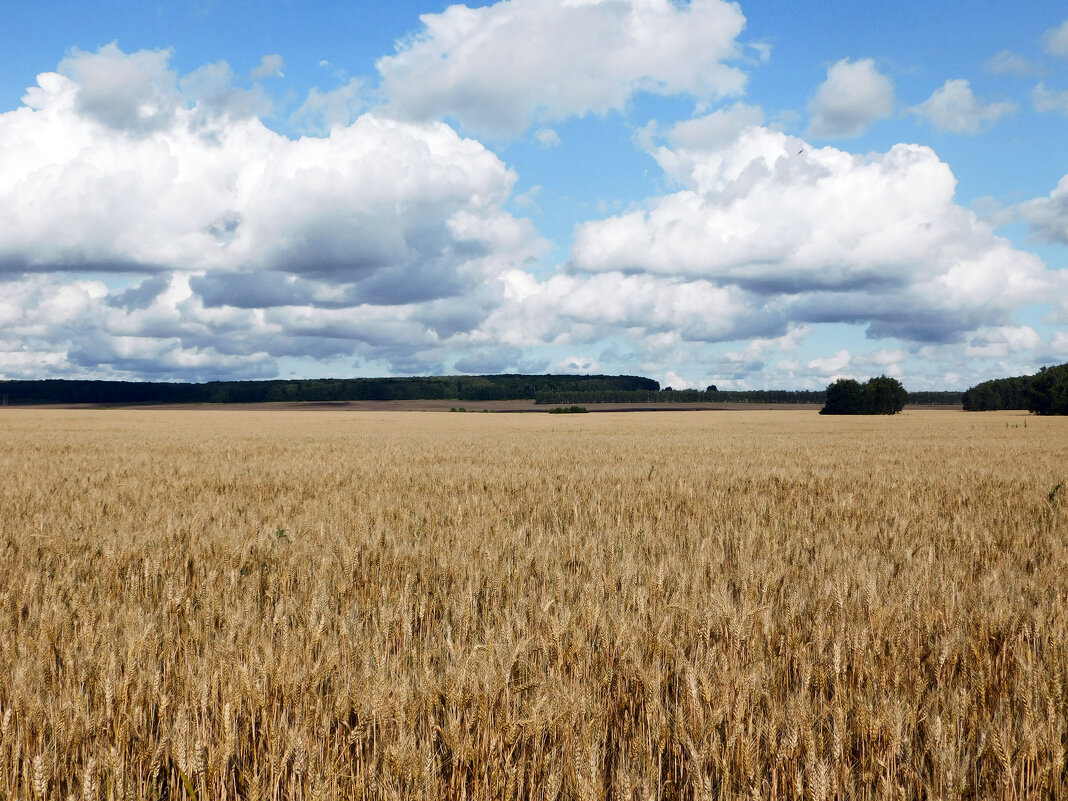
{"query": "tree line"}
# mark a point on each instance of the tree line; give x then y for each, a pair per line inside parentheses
(468, 388)
(1045, 393)
(553, 390)
(713, 395)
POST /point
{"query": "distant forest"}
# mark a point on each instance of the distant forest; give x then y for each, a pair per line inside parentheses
(467, 388)
(713, 395)
(1045, 392)
(555, 390)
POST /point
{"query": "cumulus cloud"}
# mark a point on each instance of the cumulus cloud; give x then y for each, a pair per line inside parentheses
(568, 309)
(373, 196)
(270, 66)
(134, 92)
(578, 364)
(385, 238)
(322, 111)
(1006, 62)
(1001, 341)
(1049, 99)
(1055, 40)
(499, 67)
(954, 107)
(673, 380)
(854, 97)
(783, 232)
(547, 137)
(759, 347)
(831, 365)
(1048, 216)
(843, 364)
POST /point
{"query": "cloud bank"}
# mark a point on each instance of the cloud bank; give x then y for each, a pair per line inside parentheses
(795, 233)
(155, 226)
(382, 236)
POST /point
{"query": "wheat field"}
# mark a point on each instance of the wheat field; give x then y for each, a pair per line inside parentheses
(299, 605)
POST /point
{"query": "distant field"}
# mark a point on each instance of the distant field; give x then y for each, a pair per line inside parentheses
(346, 604)
(469, 406)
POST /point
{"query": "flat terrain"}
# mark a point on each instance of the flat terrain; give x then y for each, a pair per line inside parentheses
(468, 406)
(345, 604)
(436, 406)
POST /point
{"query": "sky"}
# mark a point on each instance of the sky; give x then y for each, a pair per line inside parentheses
(751, 195)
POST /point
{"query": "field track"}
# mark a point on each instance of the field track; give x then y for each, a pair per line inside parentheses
(355, 604)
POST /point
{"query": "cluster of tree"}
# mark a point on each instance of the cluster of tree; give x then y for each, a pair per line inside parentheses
(713, 395)
(1045, 392)
(882, 395)
(470, 388)
(710, 395)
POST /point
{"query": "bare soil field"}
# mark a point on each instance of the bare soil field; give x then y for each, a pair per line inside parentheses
(353, 604)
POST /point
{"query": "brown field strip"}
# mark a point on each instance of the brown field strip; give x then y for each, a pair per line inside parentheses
(282, 605)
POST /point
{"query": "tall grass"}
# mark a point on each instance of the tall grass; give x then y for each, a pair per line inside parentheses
(673, 606)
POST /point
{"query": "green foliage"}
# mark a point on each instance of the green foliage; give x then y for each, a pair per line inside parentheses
(466, 388)
(569, 410)
(1048, 391)
(551, 390)
(710, 395)
(1044, 393)
(882, 395)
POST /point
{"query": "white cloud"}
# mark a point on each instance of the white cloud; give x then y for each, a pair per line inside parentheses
(954, 107)
(714, 130)
(810, 235)
(384, 238)
(1006, 62)
(1048, 216)
(133, 92)
(1000, 341)
(200, 194)
(843, 364)
(759, 347)
(547, 137)
(1055, 40)
(499, 67)
(270, 67)
(854, 96)
(322, 111)
(1049, 99)
(831, 365)
(578, 364)
(211, 89)
(566, 309)
(675, 381)
(883, 357)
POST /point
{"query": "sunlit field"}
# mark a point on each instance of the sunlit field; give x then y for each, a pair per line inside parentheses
(705, 605)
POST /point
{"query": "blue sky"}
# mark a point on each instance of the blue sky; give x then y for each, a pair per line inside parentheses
(749, 195)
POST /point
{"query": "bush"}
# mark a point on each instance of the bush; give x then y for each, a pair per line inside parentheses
(569, 410)
(882, 395)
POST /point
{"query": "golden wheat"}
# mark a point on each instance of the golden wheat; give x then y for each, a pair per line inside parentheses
(673, 606)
